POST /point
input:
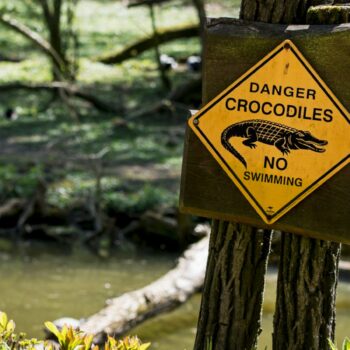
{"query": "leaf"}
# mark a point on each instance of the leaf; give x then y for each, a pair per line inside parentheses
(10, 326)
(53, 329)
(3, 321)
(88, 341)
(4, 346)
(346, 344)
(78, 347)
(71, 335)
(332, 346)
(145, 346)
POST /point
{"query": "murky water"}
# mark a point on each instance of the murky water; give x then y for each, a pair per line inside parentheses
(40, 283)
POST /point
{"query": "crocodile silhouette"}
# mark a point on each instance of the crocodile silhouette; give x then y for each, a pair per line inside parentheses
(283, 137)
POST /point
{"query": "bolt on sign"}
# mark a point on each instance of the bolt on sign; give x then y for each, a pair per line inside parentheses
(278, 132)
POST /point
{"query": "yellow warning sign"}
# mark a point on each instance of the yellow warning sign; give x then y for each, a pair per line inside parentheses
(278, 132)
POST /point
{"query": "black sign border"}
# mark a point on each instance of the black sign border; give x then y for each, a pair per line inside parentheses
(196, 124)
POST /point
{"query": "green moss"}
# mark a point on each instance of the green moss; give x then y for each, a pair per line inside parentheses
(327, 14)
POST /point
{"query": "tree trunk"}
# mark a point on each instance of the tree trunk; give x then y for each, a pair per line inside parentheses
(162, 73)
(277, 11)
(231, 309)
(233, 289)
(307, 281)
(308, 270)
(52, 12)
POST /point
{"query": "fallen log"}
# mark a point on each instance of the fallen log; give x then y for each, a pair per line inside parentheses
(165, 294)
(14, 59)
(72, 90)
(12, 207)
(174, 100)
(148, 43)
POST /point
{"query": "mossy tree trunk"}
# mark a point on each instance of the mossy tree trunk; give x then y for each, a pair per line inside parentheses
(278, 11)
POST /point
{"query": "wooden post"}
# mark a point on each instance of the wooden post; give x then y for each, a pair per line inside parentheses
(230, 314)
(308, 270)
(232, 47)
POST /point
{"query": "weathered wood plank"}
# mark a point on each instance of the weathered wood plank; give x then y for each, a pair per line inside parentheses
(231, 48)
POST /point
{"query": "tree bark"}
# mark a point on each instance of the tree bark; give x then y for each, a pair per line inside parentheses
(145, 44)
(278, 11)
(307, 281)
(162, 73)
(325, 14)
(231, 309)
(308, 270)
(37, 39)
(225, 318)
(233, 289)
(52, 13)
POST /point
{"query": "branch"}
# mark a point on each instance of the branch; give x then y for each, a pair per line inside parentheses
(172, 101)
(148, 43)
(33, 36)
(163, 295)
(72, 90)
(12, 207)
(46, 10)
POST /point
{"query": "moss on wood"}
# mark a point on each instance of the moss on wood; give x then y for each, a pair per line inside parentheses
(328, 14)
(148, 43)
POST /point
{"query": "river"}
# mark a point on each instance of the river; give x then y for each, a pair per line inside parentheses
(41, 282)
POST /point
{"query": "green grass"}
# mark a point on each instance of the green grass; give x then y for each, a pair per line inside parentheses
(142, 166)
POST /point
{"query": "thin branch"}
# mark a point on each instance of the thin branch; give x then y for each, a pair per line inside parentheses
(33, 36)
(148, 43)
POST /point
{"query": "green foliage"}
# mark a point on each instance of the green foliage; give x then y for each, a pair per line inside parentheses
(11, 341)
(128, 343)
(70, 339)
(345, 346)
(67, 337)
(137, 201)
(7, 327)
(17, 182)
(209, 344)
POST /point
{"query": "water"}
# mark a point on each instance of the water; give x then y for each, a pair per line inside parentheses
(41, 282)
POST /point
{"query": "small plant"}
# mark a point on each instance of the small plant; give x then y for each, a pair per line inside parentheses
(209, 344)
(346, 345)
(68, 339)
(9, 340)
(7, 327)
(128, 343)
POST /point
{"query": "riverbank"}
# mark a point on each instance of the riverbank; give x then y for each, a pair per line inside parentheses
(45, 282)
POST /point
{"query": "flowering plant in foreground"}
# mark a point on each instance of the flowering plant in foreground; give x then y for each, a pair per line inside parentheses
(67, 338)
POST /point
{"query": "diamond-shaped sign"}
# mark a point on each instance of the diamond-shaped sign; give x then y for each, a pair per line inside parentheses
(278, 132)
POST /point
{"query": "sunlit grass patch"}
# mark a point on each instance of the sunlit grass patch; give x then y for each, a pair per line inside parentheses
(32, 70)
